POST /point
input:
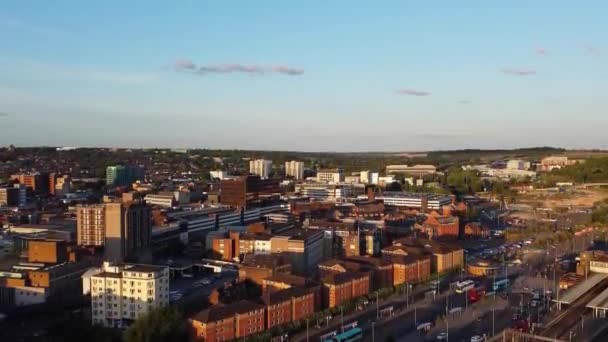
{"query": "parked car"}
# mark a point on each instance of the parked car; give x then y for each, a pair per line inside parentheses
(442, 336)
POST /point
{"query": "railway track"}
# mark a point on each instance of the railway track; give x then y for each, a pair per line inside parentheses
(561, 325)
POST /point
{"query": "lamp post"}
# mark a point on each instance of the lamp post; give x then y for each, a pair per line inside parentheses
(373, 332)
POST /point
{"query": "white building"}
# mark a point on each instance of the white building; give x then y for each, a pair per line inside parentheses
(373, 178)
(164, 199)
(218, 174)
(260, 167)
(507, 173)
(386, 180)
(415, 170)
(331, 176)
(414, 201)
(364, 177)
(518, 164)
(294, 169)
(352, 180)
(330, 192)
(121, 294)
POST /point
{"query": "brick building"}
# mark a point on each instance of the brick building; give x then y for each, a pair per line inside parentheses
(290, 304)
(474, 230)
(340, 288)
(440, 227)
(259, 267)
(228, 322)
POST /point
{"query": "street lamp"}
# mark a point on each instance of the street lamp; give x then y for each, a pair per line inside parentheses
(373, 332)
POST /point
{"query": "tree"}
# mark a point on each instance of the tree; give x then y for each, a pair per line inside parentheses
(75, 329)
(158, 325)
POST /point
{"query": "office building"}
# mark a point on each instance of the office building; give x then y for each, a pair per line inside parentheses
(121, 294)
(330, 192)
(330, 176)
(294, 169)
(305, 249)
(422, 202)
(248, 191)
(260, 167)
(123, 175)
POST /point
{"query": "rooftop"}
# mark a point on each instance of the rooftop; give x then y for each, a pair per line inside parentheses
(221, 311)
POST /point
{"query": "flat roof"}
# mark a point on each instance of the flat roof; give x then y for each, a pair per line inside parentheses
(599, 302)
(412, 195)
(580, 289)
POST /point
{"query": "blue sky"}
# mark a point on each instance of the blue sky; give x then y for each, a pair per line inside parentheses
(304, 75)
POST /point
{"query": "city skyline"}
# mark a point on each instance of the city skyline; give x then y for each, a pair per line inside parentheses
(405, 76)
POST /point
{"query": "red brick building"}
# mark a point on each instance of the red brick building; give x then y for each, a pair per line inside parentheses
(474, 230)
(339, 288)
(259, 267)
(441, 227)
(289, 305)
(228, 322)
(411, 269)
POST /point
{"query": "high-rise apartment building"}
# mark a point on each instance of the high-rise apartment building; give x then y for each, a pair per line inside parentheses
(13, 196)
(294, 169)
(91, 225)
(36, 182)
(122, 228)
(121, 294)
(128, 229)
(121, 175)
(260, 167)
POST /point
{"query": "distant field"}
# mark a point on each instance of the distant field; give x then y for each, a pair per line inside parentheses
(578, 198)
(586, 154)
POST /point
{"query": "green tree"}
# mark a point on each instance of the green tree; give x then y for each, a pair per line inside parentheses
(161, 324)
(75, 329)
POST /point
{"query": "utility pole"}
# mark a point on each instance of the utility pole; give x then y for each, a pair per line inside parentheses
(307, 335)
(407, 296)
(447, 303)
(492, 321)
(373, 332)
(342, 318)
(377, 307)
(447, 330)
